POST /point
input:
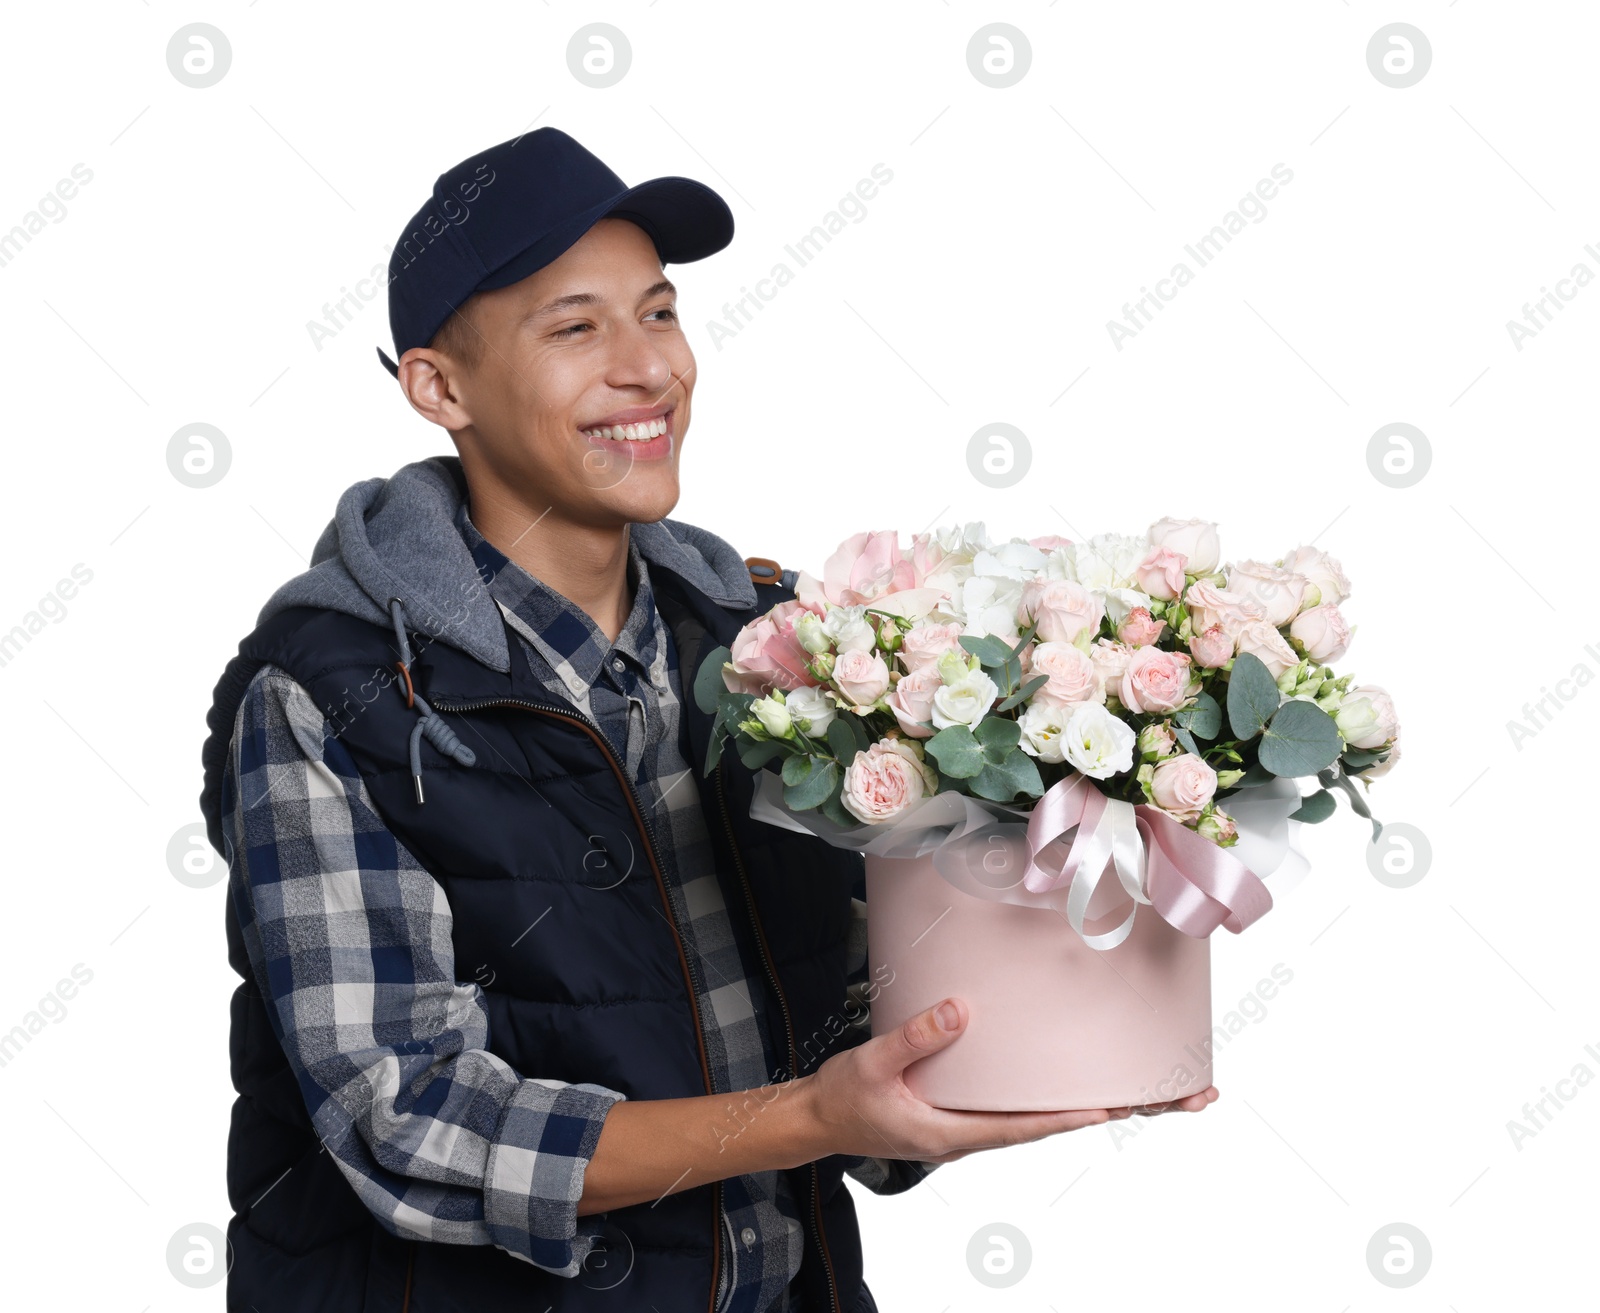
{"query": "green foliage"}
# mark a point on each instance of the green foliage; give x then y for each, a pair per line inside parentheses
(1301, 739)
(1203, 720)
(709, 685)
(809, 781)
(1316, 807)
(1252, 696)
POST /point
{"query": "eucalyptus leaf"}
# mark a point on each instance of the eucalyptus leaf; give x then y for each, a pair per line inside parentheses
(1357, 802)
(998, 736)
(758, 752)
(834, 809)
(955, 750)
(1185, 738)
(846, 738)
(1023, 693)
(734, 707)
(1360, 758)
(1253, 696)
(1004, 781)
(719, 736)
(1255, 774)
(813, 790)
(989, 650)
(1204, 719)
(798, 767)
(708, 682)
(1316, 807)
(1301, 739)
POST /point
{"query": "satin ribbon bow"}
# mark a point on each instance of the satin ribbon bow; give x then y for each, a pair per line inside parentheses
(1193, 884)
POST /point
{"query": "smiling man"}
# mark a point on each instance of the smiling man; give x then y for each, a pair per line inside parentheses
(531, 1017)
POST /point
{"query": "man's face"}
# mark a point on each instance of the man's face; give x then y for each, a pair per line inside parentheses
(554, 370)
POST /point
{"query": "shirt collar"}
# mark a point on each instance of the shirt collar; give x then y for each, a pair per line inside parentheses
(565, 634)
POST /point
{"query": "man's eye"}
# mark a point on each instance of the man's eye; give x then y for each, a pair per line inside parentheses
(670, 312)
(569, 332)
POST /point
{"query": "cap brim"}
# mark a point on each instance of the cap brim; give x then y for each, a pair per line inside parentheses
(685, 219)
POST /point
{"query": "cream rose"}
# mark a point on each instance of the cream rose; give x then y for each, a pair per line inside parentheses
(1110, 659)
(850, 629)
(861, 677)
(1161, 574)
(1322, 632)
(1073, 677)
(1064, 608)
(912, 700)
(1325, 574)
(1279, 593)
(1210, 605)
(812, 706)
(1366, 718)
(1182, 786)
(924, 644)
(1262, 640)
(1195, 540)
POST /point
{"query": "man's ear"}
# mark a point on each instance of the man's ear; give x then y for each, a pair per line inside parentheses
(428, 378)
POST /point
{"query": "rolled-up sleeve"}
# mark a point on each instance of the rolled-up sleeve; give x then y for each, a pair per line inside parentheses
(880, 1175)
(349, 940)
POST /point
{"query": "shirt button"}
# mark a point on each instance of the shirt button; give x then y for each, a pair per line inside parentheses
(617, 663)
(748, 1235)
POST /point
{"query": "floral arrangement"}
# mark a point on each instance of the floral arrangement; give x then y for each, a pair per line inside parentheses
(1000, 669)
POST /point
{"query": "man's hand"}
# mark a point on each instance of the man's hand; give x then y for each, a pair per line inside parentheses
(861, 1104)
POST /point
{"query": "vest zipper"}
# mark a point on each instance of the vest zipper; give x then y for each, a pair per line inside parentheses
(788, 1029)
(691, 978)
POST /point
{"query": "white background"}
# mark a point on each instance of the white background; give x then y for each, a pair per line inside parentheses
(177, 288)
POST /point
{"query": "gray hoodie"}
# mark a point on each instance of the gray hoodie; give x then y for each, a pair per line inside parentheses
(396, 538)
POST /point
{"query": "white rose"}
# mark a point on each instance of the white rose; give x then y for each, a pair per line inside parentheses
(1324, 573)
(1096, 743)
(966, 701)
(1366, 717)
(773, 715)
(1042, 726)
(1195, 540)
(811, 705)
(812, 636)
(849, 629)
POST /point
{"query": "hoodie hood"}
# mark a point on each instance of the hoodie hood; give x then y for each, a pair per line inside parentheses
(396, 538)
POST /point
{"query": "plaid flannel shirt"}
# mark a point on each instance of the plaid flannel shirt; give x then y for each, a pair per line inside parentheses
(349, 938)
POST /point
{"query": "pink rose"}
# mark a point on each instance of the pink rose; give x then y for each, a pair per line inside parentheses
(1262, 640)
(1279, 593)
(1140, 629)
(1322, 631)
(1155, 680)
(1386, 720)
(912, 700)
(1072, 675)
(1387, 764)
(1182, 786)
(1063, 608)
(881, 784)
(1161, 574)
(862, 677)
(1211, 648)
(766, 654)
(1049, 542)
(1209, 605)
(924, 644)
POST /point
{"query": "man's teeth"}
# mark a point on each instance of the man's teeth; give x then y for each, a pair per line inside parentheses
(650, 428)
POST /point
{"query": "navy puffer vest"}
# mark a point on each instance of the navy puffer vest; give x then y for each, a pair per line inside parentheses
(606, 996)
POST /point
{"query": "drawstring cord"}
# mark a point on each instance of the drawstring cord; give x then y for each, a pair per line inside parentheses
(430, 725)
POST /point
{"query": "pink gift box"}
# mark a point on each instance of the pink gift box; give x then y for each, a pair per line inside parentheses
(1053, 1023)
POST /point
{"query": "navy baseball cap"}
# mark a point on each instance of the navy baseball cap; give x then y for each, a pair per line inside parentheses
(510, 210)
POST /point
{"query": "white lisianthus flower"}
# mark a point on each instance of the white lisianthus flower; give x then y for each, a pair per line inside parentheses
(812, 706)
(849, 629)
(1097, 743)
(1109, 565)
(773, 715)
(1042, 726)
(965, 702)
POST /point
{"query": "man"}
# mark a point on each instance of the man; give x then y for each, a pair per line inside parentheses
(532, 1016)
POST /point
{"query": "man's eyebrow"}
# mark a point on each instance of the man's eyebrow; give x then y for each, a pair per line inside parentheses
(592, 298)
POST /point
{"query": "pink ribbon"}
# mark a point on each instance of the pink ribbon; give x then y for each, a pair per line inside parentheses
(1193, 884)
